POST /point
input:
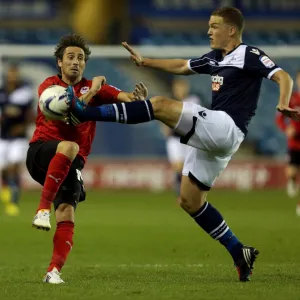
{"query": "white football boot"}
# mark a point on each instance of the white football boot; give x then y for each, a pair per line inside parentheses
(42, 220)
(53, 277)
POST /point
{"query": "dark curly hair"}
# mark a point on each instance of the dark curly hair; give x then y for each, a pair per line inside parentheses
(72, 40)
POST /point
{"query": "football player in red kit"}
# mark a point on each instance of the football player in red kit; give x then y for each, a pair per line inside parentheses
(57, 151)
(292, 130)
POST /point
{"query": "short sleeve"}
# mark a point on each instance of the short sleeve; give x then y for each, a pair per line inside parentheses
(259, 62)
(201, 65)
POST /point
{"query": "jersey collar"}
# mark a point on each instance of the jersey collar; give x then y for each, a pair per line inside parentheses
(234, 49)
(221, 57)
(79, 82)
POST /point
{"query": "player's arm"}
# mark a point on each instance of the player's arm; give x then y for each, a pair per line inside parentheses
(110, 94)
(174, 66)
(258, 63)
(97, 83)
(87, 97)
(285, 82)
(126, 97)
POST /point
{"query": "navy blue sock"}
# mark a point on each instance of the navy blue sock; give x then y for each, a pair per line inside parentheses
(129, 113)
(209, 219)
(14, 186)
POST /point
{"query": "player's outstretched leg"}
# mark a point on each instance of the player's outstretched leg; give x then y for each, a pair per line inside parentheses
(193, 201)
(57, 172)
(160, 108)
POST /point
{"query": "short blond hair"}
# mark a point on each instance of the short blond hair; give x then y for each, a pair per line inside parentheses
(231, 15)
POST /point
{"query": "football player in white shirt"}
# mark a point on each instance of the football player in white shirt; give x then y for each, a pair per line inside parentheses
(215, 134)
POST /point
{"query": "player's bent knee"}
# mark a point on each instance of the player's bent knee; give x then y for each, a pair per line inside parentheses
(191, 197)
(65, 212)
(158, 102)
(166, 110)
(69, 149)
(191, 206)
(185, 204)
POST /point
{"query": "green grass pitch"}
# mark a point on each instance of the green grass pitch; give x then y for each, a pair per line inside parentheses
(140, 245)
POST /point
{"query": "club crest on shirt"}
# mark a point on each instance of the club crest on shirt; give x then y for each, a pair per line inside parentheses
(84, 89)
(217, 82)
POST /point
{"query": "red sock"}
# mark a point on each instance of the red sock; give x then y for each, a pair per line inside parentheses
(57, 172)
(62, 244)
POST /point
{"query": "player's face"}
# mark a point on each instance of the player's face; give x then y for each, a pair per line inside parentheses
(73, 63)
(219, 32)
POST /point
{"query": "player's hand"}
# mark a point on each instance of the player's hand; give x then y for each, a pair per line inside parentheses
(135, 56)
(140, 92)
(97, 83)
(294, 114)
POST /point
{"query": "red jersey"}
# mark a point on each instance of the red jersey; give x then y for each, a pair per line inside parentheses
(283, 122)
(82, 134)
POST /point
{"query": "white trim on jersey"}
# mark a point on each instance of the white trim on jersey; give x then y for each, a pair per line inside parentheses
(189, 66)
(273, 72)
(200, 65)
